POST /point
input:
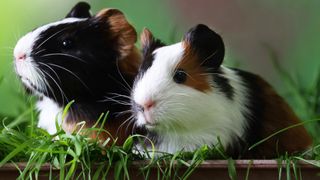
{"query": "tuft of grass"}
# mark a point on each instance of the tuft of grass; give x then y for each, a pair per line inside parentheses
(74, 153)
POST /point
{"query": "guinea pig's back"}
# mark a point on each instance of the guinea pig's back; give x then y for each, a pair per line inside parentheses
(269, 113)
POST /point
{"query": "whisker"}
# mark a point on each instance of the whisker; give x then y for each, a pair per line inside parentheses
(124, 122)
(63, 54)
(58, 66)
(122, 95)
(135, 125)
(118, 69)
(51, 89)
(48, 85)
(128, 90)
(39, 51)
(123, 112)
(34, 76)
(130, 122)
(116, 95)
(207, 58)
(40, 78)
(53, 35)
(190, 76)
(61, 91)
(116, 101)
(50, 69)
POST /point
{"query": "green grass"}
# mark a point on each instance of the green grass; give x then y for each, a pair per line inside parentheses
(74, 151)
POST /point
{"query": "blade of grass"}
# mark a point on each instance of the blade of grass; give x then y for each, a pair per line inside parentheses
(281, 131)
(294, 167)
(14, 153)
(248, 169)
(279, 161)
(288, 172)
(232, 169)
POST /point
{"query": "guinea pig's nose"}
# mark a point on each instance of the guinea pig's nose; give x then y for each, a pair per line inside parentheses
(148, 105)
(21, 56)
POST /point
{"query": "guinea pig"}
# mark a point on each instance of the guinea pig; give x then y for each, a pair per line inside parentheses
(185, 98)
(83, 58)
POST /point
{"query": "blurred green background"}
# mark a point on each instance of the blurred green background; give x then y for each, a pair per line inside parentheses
(255, 32)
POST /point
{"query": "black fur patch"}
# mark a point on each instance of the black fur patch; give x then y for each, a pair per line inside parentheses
(85, 70)
(80, 10)
(223, 83)
(207, 44)
(256, 107)
(147, 56)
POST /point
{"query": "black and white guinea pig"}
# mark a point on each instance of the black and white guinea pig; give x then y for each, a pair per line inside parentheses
(185, 98)
(82, 58)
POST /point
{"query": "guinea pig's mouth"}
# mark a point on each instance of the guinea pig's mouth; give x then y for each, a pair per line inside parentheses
(149, 120)
(151, 126)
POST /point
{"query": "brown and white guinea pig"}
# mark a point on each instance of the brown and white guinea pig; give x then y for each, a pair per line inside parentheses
(82, 58)
(185, 98)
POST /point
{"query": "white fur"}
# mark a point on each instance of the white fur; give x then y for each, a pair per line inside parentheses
(50, 112)
(32, 76)
(185, 118)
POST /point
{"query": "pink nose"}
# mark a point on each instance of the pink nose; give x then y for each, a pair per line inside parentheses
(21, 56)
(148, 105)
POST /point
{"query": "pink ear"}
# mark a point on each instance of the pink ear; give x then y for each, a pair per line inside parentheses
(146, 37)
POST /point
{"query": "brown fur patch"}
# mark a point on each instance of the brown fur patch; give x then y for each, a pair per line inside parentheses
(120, 29)
(130, 64)
(190, 63)
(112, 130)
(278, 115)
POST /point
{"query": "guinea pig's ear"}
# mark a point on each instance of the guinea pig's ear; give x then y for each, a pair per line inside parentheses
(120, 29)
(148, 42)
(80, 10)
(206, 44)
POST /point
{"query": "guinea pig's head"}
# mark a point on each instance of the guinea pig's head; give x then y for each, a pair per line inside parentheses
(76, 57)
(174, 83)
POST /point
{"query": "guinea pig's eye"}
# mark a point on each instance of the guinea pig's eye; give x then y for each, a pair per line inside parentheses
(67, 43)
(180, 76)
